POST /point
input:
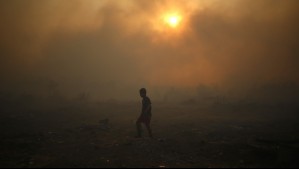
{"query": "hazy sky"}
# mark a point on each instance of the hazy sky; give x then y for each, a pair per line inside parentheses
(113, 47)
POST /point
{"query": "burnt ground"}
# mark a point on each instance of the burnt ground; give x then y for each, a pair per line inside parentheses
(84, 134)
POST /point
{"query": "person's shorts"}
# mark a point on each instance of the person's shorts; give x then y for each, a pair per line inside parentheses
(144, 119)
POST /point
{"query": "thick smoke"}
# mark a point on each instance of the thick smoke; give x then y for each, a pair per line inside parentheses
(109, 49)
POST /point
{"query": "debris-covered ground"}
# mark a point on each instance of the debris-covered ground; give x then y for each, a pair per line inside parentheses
(102, 135)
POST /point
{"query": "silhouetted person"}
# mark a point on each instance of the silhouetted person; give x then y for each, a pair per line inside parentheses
(146, 114)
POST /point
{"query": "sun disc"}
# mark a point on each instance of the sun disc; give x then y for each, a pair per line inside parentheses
(173, 20)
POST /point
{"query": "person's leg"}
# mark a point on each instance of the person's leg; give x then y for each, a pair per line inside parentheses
(149, 130)
(139, 129)
(148, 126)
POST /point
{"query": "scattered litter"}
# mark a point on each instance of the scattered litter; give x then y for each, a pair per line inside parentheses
(51, 132)
(104, 124)
(161, 140)
(237, 127)
(197, 131)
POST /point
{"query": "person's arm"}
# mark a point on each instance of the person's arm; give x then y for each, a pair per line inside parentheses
(148, 106)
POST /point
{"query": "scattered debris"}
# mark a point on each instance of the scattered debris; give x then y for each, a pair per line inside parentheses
(104, 124)
(161, 140)
(51, 132)
(237, 127)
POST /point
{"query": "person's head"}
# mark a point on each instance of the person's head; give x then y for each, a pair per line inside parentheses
(142, 92)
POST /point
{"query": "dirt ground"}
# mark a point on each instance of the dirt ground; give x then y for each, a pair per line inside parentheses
(98, 134)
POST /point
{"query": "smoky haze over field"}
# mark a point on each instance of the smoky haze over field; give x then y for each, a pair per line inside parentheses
(110, 49)
(222, 77)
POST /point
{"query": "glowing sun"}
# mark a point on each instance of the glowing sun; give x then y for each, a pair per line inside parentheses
(173, 20)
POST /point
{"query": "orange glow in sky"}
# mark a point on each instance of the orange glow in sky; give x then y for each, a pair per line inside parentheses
(170, 43)
(173, 20)
(170, 20)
